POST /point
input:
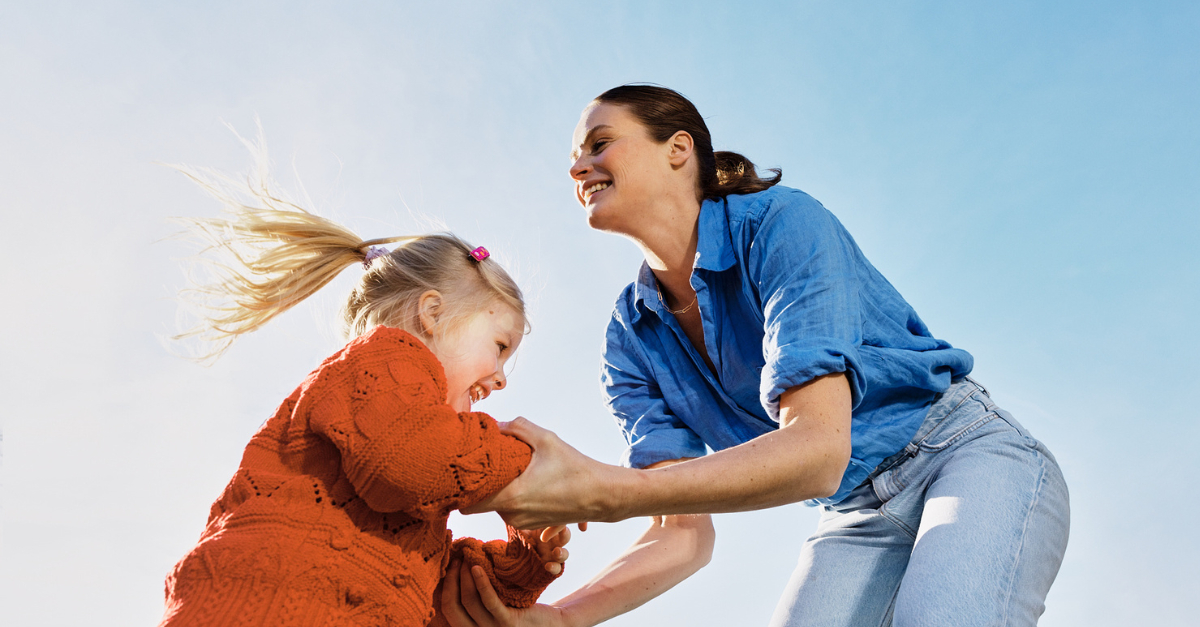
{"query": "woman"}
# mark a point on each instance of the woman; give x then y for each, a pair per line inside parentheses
(757, 328)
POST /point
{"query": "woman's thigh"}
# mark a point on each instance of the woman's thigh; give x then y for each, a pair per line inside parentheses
(993, 529)
(970, 530)
(849, 570)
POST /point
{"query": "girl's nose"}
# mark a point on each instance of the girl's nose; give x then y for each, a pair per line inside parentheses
(500, 381)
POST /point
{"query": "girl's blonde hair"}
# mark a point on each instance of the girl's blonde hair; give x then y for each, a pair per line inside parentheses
(267, 254)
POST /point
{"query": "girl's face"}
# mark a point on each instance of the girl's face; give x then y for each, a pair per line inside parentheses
(617, 167)
(474, 352)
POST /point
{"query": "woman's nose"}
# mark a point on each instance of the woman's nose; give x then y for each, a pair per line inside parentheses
(579, 169)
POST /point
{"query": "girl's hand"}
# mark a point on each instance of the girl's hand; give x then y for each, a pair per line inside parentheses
(468, 600)
(560, 486)
(548, 544)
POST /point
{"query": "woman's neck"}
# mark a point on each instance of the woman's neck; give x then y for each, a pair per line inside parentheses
(669, 246)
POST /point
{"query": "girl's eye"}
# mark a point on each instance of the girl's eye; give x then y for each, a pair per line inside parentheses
(503, 347)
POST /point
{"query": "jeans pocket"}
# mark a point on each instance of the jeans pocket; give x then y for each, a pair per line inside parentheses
(970, 415)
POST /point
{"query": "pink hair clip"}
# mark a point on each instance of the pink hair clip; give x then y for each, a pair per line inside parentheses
(480, 253)
(373, 253)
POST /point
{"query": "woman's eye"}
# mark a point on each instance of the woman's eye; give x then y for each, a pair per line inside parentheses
(599, 145)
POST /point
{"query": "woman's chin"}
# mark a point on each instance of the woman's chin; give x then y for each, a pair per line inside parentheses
(601, 220)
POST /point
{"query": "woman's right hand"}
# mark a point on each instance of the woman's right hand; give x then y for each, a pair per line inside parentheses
(560, 485)
(468, 600)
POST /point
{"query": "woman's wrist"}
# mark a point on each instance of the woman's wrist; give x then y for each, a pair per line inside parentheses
(574, 613)
(568, 618)
(619, 494)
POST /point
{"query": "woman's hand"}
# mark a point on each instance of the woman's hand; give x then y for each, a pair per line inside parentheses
(560, 486)
(468, 600)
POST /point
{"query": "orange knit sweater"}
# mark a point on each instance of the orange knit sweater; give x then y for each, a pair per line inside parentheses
(337, 513)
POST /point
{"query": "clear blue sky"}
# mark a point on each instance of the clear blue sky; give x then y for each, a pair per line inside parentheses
(1027, 176)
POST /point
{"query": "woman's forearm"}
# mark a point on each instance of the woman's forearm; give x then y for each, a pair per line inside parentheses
(804, 459)
(671, 550)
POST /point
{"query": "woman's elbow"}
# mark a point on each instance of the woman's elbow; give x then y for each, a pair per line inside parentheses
(704, 548)
(701, 537)
(706, 541)
(826, 488)
(827, 478)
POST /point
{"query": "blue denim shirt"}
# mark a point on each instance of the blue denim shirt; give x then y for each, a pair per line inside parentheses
(786, 296)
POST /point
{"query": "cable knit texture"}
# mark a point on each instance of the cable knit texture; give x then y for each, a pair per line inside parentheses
(337, 513)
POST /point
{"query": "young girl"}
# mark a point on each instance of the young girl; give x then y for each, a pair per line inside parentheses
(337, 512)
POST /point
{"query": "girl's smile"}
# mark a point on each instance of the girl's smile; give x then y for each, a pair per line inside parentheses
(474, 354)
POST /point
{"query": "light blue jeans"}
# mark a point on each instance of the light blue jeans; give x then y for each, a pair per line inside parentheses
(966, 526)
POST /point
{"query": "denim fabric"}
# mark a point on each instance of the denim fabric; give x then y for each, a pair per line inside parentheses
(785, 296)
(966, 526)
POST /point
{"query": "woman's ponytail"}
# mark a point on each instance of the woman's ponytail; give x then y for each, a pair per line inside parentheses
(665, 112)
(735, 174)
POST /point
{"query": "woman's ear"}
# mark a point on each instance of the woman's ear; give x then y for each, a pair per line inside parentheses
(429, 309)
(681, 148)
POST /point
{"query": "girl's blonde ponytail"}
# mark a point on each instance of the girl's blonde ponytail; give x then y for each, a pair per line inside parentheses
(267, 254)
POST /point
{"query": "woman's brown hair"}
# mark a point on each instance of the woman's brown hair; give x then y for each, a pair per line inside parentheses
(665, 112)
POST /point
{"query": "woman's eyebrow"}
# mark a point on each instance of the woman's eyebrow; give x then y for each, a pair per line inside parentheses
(588, 138)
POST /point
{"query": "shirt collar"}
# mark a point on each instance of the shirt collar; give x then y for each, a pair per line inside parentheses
(645, 292)
(713, 252)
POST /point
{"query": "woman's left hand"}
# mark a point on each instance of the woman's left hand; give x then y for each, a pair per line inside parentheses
(560, 485)
(468, 600)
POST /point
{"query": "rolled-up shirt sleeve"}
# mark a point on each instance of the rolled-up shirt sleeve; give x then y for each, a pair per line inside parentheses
(803, 264)
(652, 432)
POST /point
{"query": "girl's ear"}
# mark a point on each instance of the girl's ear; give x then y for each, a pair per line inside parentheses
(429, 307)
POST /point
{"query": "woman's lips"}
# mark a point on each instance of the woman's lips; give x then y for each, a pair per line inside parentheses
(595, 189)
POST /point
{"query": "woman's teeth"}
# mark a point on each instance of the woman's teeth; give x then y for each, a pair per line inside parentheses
(595, 188)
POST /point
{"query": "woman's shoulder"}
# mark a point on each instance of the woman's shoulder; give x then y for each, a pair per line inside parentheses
(754, 207)
(779, 212)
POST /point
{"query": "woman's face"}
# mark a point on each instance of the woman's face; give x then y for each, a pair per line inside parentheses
(619, 170)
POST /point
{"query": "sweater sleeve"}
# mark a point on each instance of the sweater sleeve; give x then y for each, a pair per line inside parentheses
(381, 402)
(513, 568)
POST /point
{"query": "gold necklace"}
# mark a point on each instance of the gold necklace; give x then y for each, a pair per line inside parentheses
(668, 308)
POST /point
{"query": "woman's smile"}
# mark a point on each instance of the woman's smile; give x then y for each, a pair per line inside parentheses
(593, 190)
(610, 146)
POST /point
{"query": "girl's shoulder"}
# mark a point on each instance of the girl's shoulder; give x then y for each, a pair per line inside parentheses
(393, 349)
(389, 338)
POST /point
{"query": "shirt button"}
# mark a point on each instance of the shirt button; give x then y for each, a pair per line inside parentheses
(339, 541)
